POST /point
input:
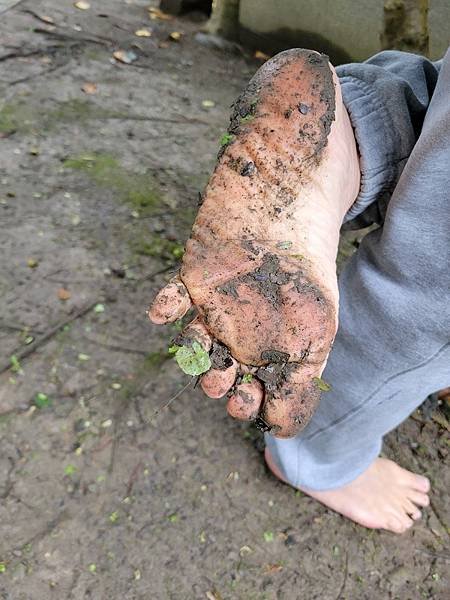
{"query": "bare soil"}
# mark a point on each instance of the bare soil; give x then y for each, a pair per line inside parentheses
(100, 497)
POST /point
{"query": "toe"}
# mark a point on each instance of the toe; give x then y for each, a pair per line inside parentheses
(411, 510)
(399, 524)
(171, 303)
(418, 498)
(245, 402)
(196, 331)
(216, 383)
(395, 525)
(289, 407)
(422, 484)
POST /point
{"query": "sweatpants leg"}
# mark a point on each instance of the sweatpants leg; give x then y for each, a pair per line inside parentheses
(393, 344)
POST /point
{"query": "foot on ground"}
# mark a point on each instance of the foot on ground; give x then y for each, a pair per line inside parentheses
(385, 496)
(260, 263)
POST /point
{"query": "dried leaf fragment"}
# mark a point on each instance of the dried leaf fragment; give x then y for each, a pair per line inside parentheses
(261, 55)
(82, 5)
(63, 294)
(175, 36)
(157, 13)
(47, 19)
(89, 87)
(143, 32)
(125, 56)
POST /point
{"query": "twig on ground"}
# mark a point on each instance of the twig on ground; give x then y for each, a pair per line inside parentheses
(133, 478)
(92, 39)
(344, 581)
(169, 402)
(35, 75)
(20, 354)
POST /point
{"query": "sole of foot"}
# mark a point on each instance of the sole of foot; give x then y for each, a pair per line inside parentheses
(260, 264)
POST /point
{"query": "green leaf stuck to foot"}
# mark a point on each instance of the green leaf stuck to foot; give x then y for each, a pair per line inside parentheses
(321, 384)
(192, 360)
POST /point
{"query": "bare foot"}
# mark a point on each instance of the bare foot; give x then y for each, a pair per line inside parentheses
(260, 263)
(385, 496)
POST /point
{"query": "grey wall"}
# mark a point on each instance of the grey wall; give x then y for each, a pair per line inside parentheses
(346, 29)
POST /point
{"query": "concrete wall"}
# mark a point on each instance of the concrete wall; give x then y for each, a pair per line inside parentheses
(438, 27)
(343, 29)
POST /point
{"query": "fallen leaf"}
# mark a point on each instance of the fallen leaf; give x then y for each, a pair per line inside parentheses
(143, 32)
(208, 103)
(175, 36)
(82, 5)
(245, 550)
(32, 263)
(63, 294)
(261, 55)
(47, 19)
(273, 568)
(125, 56)
(157, 13)
(89, 87)
(213, 595)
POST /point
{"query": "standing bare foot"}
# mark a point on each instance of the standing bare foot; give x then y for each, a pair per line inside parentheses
(385, 496)
(260, 263)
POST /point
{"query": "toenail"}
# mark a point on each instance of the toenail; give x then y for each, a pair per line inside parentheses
(425, 484)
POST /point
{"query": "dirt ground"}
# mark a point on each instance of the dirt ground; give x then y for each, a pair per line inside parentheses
(101, 165)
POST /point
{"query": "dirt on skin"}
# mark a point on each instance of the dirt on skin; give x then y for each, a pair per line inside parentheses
(100, 497)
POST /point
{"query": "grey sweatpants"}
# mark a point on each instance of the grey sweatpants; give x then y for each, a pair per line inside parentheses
(392, 348)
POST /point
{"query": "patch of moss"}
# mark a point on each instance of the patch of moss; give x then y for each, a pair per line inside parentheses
(155, 359)
(138, 190)
(158, 246)
(78, 110)
(15, 117)
(23, 117)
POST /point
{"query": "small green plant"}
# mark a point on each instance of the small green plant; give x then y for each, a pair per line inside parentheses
(247, 378)
(226, 138)
(41, 400)
(268, 536)
(15, 364)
